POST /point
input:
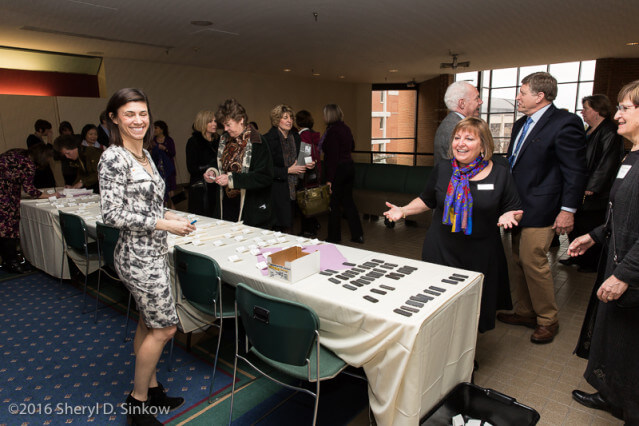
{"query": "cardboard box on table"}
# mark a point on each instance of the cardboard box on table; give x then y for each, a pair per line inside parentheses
(292, 264)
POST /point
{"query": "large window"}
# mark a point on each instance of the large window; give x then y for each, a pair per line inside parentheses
(499, 88)
(393, 119)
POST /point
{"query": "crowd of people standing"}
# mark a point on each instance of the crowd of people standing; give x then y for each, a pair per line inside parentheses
(557, 178)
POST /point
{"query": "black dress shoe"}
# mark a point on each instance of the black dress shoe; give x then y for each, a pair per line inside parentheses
(359, 240)
(591, 400)
(596, 401)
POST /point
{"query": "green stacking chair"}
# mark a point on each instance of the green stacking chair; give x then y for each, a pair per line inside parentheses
(75, 239)
(107, 237)
(200, 281)
(285, 336)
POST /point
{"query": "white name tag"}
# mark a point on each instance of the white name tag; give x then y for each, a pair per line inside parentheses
(623, 171)
(137, 173)
(485, 187)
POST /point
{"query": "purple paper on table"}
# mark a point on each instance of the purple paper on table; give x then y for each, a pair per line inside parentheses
(330, 256)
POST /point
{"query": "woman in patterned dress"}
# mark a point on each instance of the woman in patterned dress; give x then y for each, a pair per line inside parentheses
(132, 195)
(17, 170)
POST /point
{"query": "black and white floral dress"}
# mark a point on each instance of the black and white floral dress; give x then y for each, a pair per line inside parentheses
(132, 201)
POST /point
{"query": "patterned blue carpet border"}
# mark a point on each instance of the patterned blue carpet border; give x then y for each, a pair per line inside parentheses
(58, 367)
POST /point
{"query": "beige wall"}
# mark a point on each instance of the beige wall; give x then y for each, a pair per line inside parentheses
(177, 93)
(17, 115)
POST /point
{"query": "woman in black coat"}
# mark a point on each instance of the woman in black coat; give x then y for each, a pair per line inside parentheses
(284, 144)
(604, 151)
(201, 150)
(611, 326)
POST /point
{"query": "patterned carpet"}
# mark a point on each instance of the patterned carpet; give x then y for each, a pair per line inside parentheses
(58, 367)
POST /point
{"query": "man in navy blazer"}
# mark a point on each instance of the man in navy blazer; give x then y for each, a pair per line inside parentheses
(547, 155)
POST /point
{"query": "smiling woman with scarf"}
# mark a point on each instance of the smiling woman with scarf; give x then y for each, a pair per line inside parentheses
(244, 169)
(470, 196)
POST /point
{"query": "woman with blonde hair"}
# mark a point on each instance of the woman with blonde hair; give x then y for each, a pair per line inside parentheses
(201, 150)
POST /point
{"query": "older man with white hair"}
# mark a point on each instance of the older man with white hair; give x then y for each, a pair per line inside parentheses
(462, 100)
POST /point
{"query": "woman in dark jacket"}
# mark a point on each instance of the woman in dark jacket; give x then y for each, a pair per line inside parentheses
(604, 151)
(201, 150)
(610, 336)
(337, 144)
(163, 154)
(84, 159)
(284, 144)
(244, 169)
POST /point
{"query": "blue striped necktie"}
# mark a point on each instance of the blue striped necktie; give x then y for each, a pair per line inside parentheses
(520, 141)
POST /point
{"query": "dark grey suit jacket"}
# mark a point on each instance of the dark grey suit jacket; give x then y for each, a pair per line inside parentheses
(442, 136)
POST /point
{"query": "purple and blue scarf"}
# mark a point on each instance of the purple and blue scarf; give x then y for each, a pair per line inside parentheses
(458, 205)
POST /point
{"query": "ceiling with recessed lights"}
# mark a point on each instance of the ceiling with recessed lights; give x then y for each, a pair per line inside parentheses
(371, 41)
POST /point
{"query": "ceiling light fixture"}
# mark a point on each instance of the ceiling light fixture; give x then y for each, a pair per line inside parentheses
(633, 43)
(342, 76)
(286, 70)
(393, 70)
(314, 74)
(455, 63)
(201, 23)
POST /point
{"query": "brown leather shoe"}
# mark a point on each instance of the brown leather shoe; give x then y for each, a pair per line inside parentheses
(545, 333)
(516, 319)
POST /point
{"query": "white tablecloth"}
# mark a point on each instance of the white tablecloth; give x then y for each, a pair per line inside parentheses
(410, 362)
(41, 237)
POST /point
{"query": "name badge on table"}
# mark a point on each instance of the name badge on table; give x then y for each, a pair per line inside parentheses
(623, 171)
(485, 187)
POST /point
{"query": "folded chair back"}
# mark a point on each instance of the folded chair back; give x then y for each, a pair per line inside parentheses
(74, 231)
(107, 239)
(279, 329)
(198, 277)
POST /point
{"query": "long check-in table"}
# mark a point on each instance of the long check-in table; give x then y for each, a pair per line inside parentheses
(40, 234)
(410, 362)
